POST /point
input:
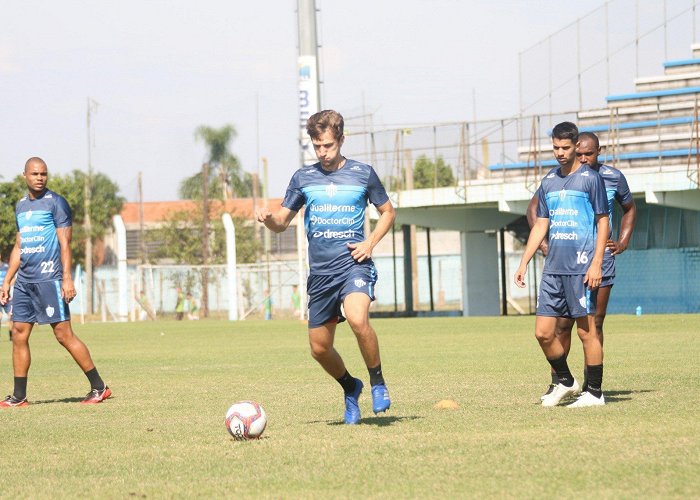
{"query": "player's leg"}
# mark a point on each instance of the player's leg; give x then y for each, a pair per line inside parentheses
(593, 354)
(24, 317)
(601, 310)
(21, 361)
(324, 315)
(63, 331)
(356, 309)
(563, 332)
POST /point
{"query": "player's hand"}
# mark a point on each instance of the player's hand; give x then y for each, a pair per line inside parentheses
(263, 214)
(593, 277)
(519, 277)
(4, 294)
(360, 251)
(544, 247)
(616, 248)
(68, 290)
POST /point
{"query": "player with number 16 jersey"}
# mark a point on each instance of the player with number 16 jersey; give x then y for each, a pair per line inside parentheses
(571, 203)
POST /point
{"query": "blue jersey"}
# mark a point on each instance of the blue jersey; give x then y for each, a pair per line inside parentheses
(616, 188)
(37, 220)
(3, 271)
(571, 203)
(335, 210)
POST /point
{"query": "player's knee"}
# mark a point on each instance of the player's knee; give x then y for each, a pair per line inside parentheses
(319, 350)
(545, 336)
(359, 323)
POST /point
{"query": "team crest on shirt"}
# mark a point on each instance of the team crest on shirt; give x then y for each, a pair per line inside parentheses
(359, 283)
(28, 214)
(49, 311)
(584, 173)
(356, 167)
(606, 171)
(550, 175)
(562, 194)
(582, 301)
(331, 190)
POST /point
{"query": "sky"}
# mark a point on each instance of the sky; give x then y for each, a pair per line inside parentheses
(156, 70)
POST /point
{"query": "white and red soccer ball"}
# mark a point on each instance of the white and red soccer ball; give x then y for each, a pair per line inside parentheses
(246, 420)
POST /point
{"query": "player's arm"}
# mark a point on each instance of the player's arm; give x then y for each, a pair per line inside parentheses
(629, 219)
(13, 267)
(537, 234)
(276, 222)
(363, 250)
(65, 235)
(532, 218)
(594, 274)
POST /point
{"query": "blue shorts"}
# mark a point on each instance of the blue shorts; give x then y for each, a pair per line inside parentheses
(39, 303)
(327, 291)
(565, 296)
(608, 269)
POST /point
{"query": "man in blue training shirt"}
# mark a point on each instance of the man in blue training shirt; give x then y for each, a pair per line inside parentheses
(41, 259)
(336, 191)
(6, 308)
(572, 207)
(616, 188)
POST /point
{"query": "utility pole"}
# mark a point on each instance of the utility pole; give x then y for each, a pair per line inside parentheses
(205, 240)
(87, 224)
(142, 234)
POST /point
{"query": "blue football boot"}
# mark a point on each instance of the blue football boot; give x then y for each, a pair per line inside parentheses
(352, 408)
(380, 398)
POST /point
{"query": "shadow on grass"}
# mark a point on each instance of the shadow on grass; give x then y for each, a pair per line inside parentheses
(64, 400)
(378, 421)
(618, 396)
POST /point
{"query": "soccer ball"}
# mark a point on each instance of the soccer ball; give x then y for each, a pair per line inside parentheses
(246, 420)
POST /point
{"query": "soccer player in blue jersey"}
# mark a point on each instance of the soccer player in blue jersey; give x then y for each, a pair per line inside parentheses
(572, 207)
(41, 259)
(336, 191)
(617, 189)
(6, 308)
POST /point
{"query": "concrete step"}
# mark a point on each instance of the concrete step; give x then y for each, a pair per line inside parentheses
(676, 81)
(653, 97)
(641, 112)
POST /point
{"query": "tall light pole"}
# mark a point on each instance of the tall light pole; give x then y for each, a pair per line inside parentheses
(91, 106)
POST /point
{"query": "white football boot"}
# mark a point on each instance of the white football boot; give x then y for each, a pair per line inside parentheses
(559, 393)
(587, 399)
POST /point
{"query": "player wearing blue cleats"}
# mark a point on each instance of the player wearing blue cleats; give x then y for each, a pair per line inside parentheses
(380, 398)
(352, 407)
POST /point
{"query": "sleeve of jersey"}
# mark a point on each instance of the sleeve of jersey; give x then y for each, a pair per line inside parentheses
(599, 198)
(542, 210)
(623, 195)
(294, 198)
(375, 190)
(62, 215)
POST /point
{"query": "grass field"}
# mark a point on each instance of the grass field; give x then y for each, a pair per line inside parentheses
(162, 433)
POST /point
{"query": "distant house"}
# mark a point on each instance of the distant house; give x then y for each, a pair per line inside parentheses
(157, 213)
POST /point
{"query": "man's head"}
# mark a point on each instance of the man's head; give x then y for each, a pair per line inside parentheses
(326, 131)
(36, 175)
(588, 149)
(564, 139)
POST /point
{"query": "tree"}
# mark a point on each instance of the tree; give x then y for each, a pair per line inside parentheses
(428, 174)
(226, 176)
(105, 204)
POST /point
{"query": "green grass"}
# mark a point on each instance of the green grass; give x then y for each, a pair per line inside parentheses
(162, 434)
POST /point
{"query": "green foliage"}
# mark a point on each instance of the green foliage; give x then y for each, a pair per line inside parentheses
(225, 171)
(10, 193)
(428, 173)
(180, 239)
(105, 203)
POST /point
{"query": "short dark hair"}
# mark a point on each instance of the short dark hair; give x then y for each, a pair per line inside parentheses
(565, 130)
(591, 137)
(324, 120)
